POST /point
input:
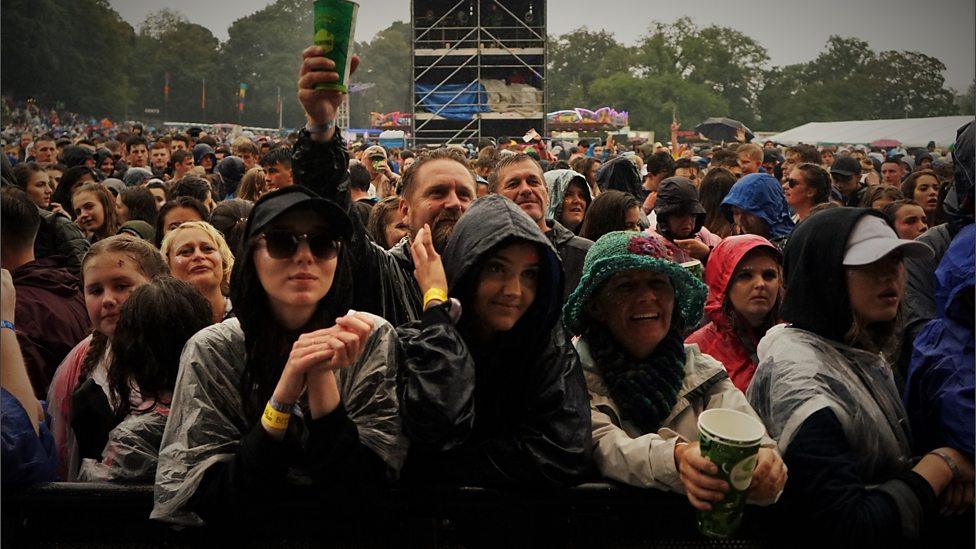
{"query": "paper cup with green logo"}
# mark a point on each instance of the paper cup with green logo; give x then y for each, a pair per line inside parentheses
(695, 267)
(335, 26)
(730, 439)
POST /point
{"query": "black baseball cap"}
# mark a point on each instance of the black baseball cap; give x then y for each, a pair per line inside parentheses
(846, 166)
(276, 203)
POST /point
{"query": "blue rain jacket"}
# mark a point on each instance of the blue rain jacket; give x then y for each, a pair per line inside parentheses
(761, 195)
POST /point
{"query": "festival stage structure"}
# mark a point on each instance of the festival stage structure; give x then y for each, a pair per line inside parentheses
(479, 69)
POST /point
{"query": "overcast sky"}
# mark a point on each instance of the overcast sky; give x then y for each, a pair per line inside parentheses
(792, 31)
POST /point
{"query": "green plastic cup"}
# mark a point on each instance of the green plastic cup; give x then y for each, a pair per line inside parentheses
(335, 26)
(730, 439)
(695, 267)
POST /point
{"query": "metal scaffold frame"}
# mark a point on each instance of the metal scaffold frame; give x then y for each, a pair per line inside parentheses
(461, 43)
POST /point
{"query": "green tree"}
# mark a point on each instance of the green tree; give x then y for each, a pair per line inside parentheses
(909, 85)
(385, 63)
(169, 43)
(967, 101)
(71, 52)
(576, 61)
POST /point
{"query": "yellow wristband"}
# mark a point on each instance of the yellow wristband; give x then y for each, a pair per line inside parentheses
(273, 419)
(432, 294)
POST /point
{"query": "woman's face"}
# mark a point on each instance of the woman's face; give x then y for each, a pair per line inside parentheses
(160, 196)
(39, 189)
(591, 174)
(178, 216)
(574, 206)
(910, 222)
(636, 306)
(927, 193)
(109, 279)
(754, 287)
(107, 166)
(300, 280)
(194, 258)
(875, 289)
(394, 229)
(89, 212)
(632, 219)
(507, 286)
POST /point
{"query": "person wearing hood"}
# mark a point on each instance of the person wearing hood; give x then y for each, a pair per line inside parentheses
(745, 282)
(757, 205)
(520, 179)
(646, 388)
(203, 155)
(296, 389)
(959, 212)
(51, 313)
(491, 391)
(621, 174)
(940, 384)
(569, 198)
(681, 221)
(231, 171)
(75, 155)
(829, 398)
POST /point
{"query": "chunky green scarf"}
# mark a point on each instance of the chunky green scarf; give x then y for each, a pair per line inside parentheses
(646, 390)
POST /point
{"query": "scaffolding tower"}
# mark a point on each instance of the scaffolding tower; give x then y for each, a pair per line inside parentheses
(479, 70)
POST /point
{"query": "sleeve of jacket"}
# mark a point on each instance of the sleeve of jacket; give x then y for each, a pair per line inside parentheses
(72, 243)
(435, 383)
(826, 489)
(552, 444)
(646, 461)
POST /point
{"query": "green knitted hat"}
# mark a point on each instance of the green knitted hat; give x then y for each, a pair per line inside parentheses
(626, 250)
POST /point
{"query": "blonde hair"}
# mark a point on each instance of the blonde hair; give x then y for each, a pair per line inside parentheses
(253, 184)
(226, 256)
(751, 150)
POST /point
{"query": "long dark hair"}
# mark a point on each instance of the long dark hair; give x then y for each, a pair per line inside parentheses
(266, 342)
(154, 324)
(714, 187)
(141, 204)
(607, 213)
(69, 182)
(187, 202)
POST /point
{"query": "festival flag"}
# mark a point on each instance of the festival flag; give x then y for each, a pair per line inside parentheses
(166, 89)
(203, 95)
(240, 94)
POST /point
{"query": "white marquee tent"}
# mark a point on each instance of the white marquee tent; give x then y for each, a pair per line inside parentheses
(911, 132)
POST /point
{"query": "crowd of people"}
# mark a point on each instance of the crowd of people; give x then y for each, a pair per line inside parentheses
(225, 319)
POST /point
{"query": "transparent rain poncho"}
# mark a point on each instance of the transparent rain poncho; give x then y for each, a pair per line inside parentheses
(207, 419)
(131, 452)
(801, 373)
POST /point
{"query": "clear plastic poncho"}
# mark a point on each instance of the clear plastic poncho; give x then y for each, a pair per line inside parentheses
(207, 419)
(801, 373)
(132, 450)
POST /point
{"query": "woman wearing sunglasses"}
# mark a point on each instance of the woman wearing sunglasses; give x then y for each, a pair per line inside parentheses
(808, 185)
(290, 391)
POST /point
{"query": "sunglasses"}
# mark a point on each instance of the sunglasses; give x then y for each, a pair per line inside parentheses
(284, 244)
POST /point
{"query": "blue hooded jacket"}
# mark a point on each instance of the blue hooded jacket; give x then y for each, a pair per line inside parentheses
(939, 391)
(761, 195)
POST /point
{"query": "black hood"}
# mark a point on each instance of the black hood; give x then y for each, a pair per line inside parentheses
(490, 222)
(75, 155)
(677, 195)
(620, 174)
(813, 266)
(959, 202)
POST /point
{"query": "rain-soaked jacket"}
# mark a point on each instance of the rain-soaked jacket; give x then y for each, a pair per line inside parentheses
(735, 349)
(940, 386)
(761, 195)
(620, 174)
(383, 282)
(216, 462)
(132, 450)
(834, 409)
(623, 452)
(558, 181)
(514, 412)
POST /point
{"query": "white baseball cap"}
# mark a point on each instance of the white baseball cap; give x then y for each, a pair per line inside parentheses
(873, 239)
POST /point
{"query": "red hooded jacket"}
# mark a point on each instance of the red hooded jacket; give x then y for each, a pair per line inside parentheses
(718, 338)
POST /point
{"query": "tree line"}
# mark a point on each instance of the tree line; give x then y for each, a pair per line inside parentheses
(82, 54)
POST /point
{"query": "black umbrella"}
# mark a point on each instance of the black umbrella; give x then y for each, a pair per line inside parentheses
(722, 129)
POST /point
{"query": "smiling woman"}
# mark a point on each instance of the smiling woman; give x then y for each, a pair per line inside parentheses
(197, 253)
(95, 211)
(646, 388)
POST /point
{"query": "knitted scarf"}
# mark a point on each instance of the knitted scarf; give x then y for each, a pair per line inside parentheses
(646, 390)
